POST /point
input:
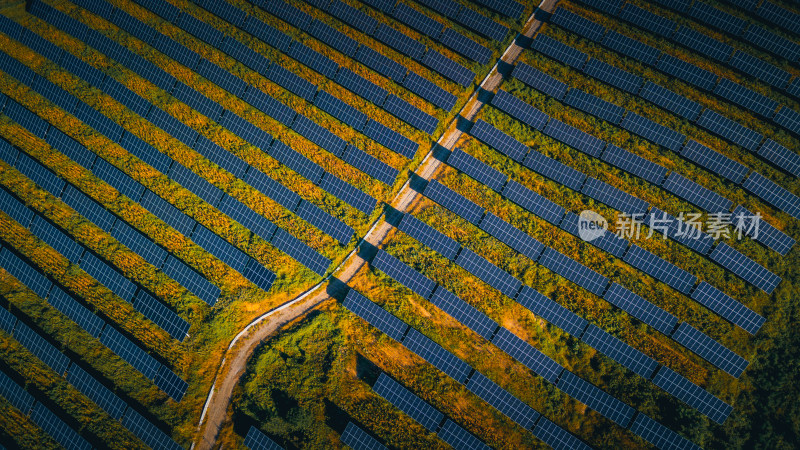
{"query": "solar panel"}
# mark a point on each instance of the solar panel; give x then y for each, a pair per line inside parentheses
(789, 119)
(403, 274)
(13, 29)
(55, 94)
(147, 432)
(296, 161)
(168, 213)
(477, 169)
(710, 350)
(779, 16)
(130, 352)
(647, 20)
(714, 161)
(417, 20)
(126, 96)
(221, 156)
(760, 69)
(729, 130)
(519, 109)
(330, 225)
(507, 8)
(702, 44)
(675, 103)
(70, 148)
(631, 47)
(267, 33)
(481, 24)
(429, 91)
(613, 75)
(614, 197)
(578, 24)
(463, 312)
(746, 98)
(88, 208)
(641, 309)
(57, 428)
(380, 63)
(659, 435)
(259, 275)
(465, 46)
(653, 131)
(162, 8)
(410, 114)
(634, 164)
(595, 398)
(42, 349)
(68, 306)
(245, 55)
(226, 11)
(256, 440)
(347, 193)
(761, 231)
(40, 175)
(488, 272)
(692, 192)
(301, 252)
(353, 17)
(15, 394)
(98, 393)
(745, 268)
(172, 126)
(375, 315)
(557, 437)
(559, 51)
(291, 82)
(191, 280)
(272, 189)
(620, 352)
(15, 209)
(498, 140)
(313, 59)
(730, 309)
(161, 315)
(288, 13)
(693, 395)
(573, 271)
(610, 7)
(174, 50)
(27, 275)
(434, 353)
(357, 439)
(26, 118)
(512, 236)
(448, 9)
(770, 192)
(361, 86)
(319, 135)
(251, 220)
(429, 236)
(120, 180)
(533, 202)
(146, 152)
(269, 106)
(82, 70)
(454, 201)
(504, 402)
(608, 241)
(595, 106)
(107, 276)
(574, 137)
(459, 438)
(539, 80)
(333, 37)
(8, 153)
(679, 231)
(716, 18)
(660, 269)
(55, 238)
(341, 110)
(528, 355)
(551, 311)
(220, 248)
(170, 383)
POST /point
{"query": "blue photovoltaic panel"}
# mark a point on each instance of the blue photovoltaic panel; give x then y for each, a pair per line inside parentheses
(191, 280)
(746, 98)
(417, 20)
(559, 51)
(429, 91)
(782, 17)
(608, 241)
(527, 354)
(620, 352)
(613, 75)
(481, 24)
(551, 311)
(256, 440)
(436, 355)
(68, 306)
(574, 271)
(15, 394)
(409, 403)
(267, 33)
(259, 275)
(272, 189)
(789, 119)
(108, 276)
(403, 274)
(652, 131)
(26, 274)
(429, 236)
(375, 315)
(174, 50)
(198, 101)
(771, 42)
(506, 403)
(220, 248)
(251, 220)
(610, 7)
(125, 96)
(730, 130)
(199, 29)
(12, 28)
(760, 70)
(641, 309)
(595, 106)
(770, 192)
(410, 114)
(332, 226)
(578, 24)
(147, 432)
(221, 156)
(358, 439)
(533, 202)
(459, 438)
(146, 152)
(42, 349)
(744, 267)
(340, 110)
(70, 147)
(659, 435)
(463, 312)
(319, 135)
(574, 137)
(477, 169)
(8, 153)
(710, 350)
(130, 352)
(227, 11)
(692, 192)
(702, 44)
(246, 130)
(519, 110)
(539, 80)
(660, 269)
(631, 47)
(689, 235)
(88, 208)
(595, 398)
(287, 12)
(448, 9)
(161, 315)
(714, 161)
(456, 41)
(296, 161)
(557, 437)
(648, 21)
(120, 180)
(730, 309)
(40, 175)
(512, 236)
(634, 164)
(291, 82)
(15, 209)
(170, 383)
(361, 86)
(99, 394)
(678, 104)
(56, 239)
(761, 231)
(313, 59)
(488, 272)
(391, 139)
(172, 126)
(7, 320)
(613, 197)
(162, 8)
(140, 244)
(692, 394)
(54, 93)
(498, 140)
(300, 251)
(269, 106)
(507, 8)
(454, 201)
(81, 69)
(26, 118)
(716, 18)
(347, 193)
(385, 6)
(380, 63)
(57, 428)
(168, 213)
(333, 37)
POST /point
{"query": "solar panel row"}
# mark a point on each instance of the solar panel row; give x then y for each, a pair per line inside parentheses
(375, 315)
(641, 309)
(574, 271)
(693, 395)
(761, 231)
(404, 274)
(613, 197)
(595, 106)
(465, 313)
(687, 234)
(692, 192)
(528, 355)
(539, 80)
(710, 350)
(714, 161)
(634, 164)
(533, 202)
(429, 236)
(620, 352)
(477, 169)
(454, 201)
(773, 194)
(408, 402)
(520, 110)
(574, 137)
(512, 236)
(614, 76)
(660, 269)
(256, 440)
(437, 355)
(595, 398)
(608, 241)
(488, 272)
(730, 309)
(745, 268)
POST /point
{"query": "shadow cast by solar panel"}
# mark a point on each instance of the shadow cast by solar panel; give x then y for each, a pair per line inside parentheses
(367, 251)
(463, 124)
(504, 69)
(366, 370)
(337, 289)
(417, 183)
(392, 216)
(485, 96)
(440, 153)
(523, 41)
(335, 417)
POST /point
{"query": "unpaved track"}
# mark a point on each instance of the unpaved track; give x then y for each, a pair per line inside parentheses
(215, 410)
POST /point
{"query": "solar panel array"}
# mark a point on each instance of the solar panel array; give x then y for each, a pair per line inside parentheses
(375, 315)
(574, 137)
(477, 169)
(613, 197)
(660, 269)
(519, 109)
(595, 398)
(659, 435)
(429, 236)
(512, 236)
(714, 161)
(685, 233)
(57, 428)
(693, 395)
(506, 403)
(434, 353)
(620, 352)
(727, 307)
(488, 272)
(98, 393)
(613, 76)
(409, 403)
(539, 80)
(692, 192)
(595, 106)
(574, 271)
(710, 350)
(641, 309)
(761, 231)
(465, 313)
(773, 194)
(357, 439)
(653, 131)
(634, 164)
(551, 311)
(528, 355)
(745, 268)
(459, 438)
(454, 201)
(403, 274)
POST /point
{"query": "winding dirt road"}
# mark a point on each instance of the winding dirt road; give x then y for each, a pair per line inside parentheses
(215, 410)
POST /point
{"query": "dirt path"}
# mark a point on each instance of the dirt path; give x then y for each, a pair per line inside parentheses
(215, 410)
